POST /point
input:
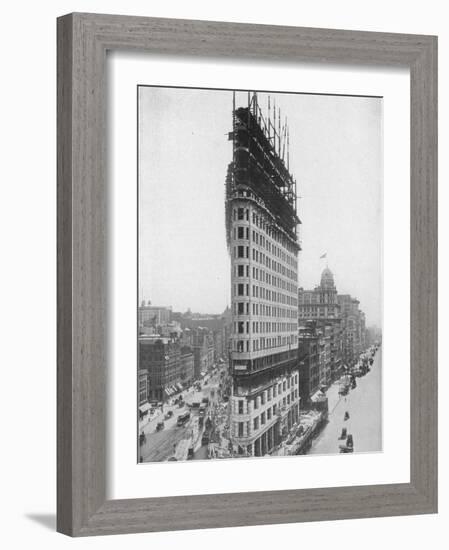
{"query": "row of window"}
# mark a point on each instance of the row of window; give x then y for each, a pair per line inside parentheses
(313, 298)
(272, 295)
(242, 289)
(243, 270)
(242, 327)
(262, 223)
(259, 344)
(324, 307)
(242, 252)
(265, 416)
(272, 392)
(243, 214)
(242, 232)
(243, 308)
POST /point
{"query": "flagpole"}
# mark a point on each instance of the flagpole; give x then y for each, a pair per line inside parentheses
(324, 257)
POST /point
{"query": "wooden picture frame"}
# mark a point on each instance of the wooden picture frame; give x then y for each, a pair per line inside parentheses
(83, 40)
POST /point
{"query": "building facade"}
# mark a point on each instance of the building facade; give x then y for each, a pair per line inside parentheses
(263, 416)
(155, 316)
(203, 350)
(325, 355)
(263, 244)
(161, 357)
(142, 399)
(309, 361)
(321, 305)
(219, 327)
(187, 370)
(363, 345)
(353, 329)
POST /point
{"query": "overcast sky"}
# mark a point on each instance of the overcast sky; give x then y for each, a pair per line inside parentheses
(335, 156)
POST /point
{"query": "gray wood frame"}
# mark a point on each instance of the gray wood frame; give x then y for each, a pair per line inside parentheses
(83, 40)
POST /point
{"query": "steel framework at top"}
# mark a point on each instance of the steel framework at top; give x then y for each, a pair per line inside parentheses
(261, 159)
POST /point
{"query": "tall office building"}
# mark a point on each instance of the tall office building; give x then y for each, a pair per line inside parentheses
(263, 243)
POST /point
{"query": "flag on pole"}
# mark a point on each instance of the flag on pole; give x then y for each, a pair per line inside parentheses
(323, 256)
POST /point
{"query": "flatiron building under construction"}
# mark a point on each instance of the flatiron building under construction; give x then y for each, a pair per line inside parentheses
(261, 222)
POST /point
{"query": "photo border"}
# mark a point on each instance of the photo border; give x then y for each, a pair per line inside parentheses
(83, 41)
(209, 89)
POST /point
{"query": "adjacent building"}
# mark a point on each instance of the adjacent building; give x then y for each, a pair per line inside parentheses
(202, 344)
(309, 361)
(325, 355)
(154, 316)
(218, 326)
(353, 329)
(263, 243)
(161, 357)
(142, 398)
(177, 348)
(187, 370)
(363, 345)
(332, 334)
(321, 305)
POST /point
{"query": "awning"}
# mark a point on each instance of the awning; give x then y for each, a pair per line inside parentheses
(144, 408)
(317, 396)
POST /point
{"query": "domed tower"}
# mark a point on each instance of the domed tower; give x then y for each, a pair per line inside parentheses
(327, 280)
(328, 292)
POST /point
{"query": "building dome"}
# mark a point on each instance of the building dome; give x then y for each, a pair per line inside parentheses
(327, 279)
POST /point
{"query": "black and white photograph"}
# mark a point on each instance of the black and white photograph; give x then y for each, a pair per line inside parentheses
(227, 217)
(259, 304)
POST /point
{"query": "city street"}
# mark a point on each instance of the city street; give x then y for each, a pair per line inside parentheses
(160, 445)
(362, 403)
(365, 416)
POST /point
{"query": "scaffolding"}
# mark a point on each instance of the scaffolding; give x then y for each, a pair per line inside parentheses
(261, 161)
